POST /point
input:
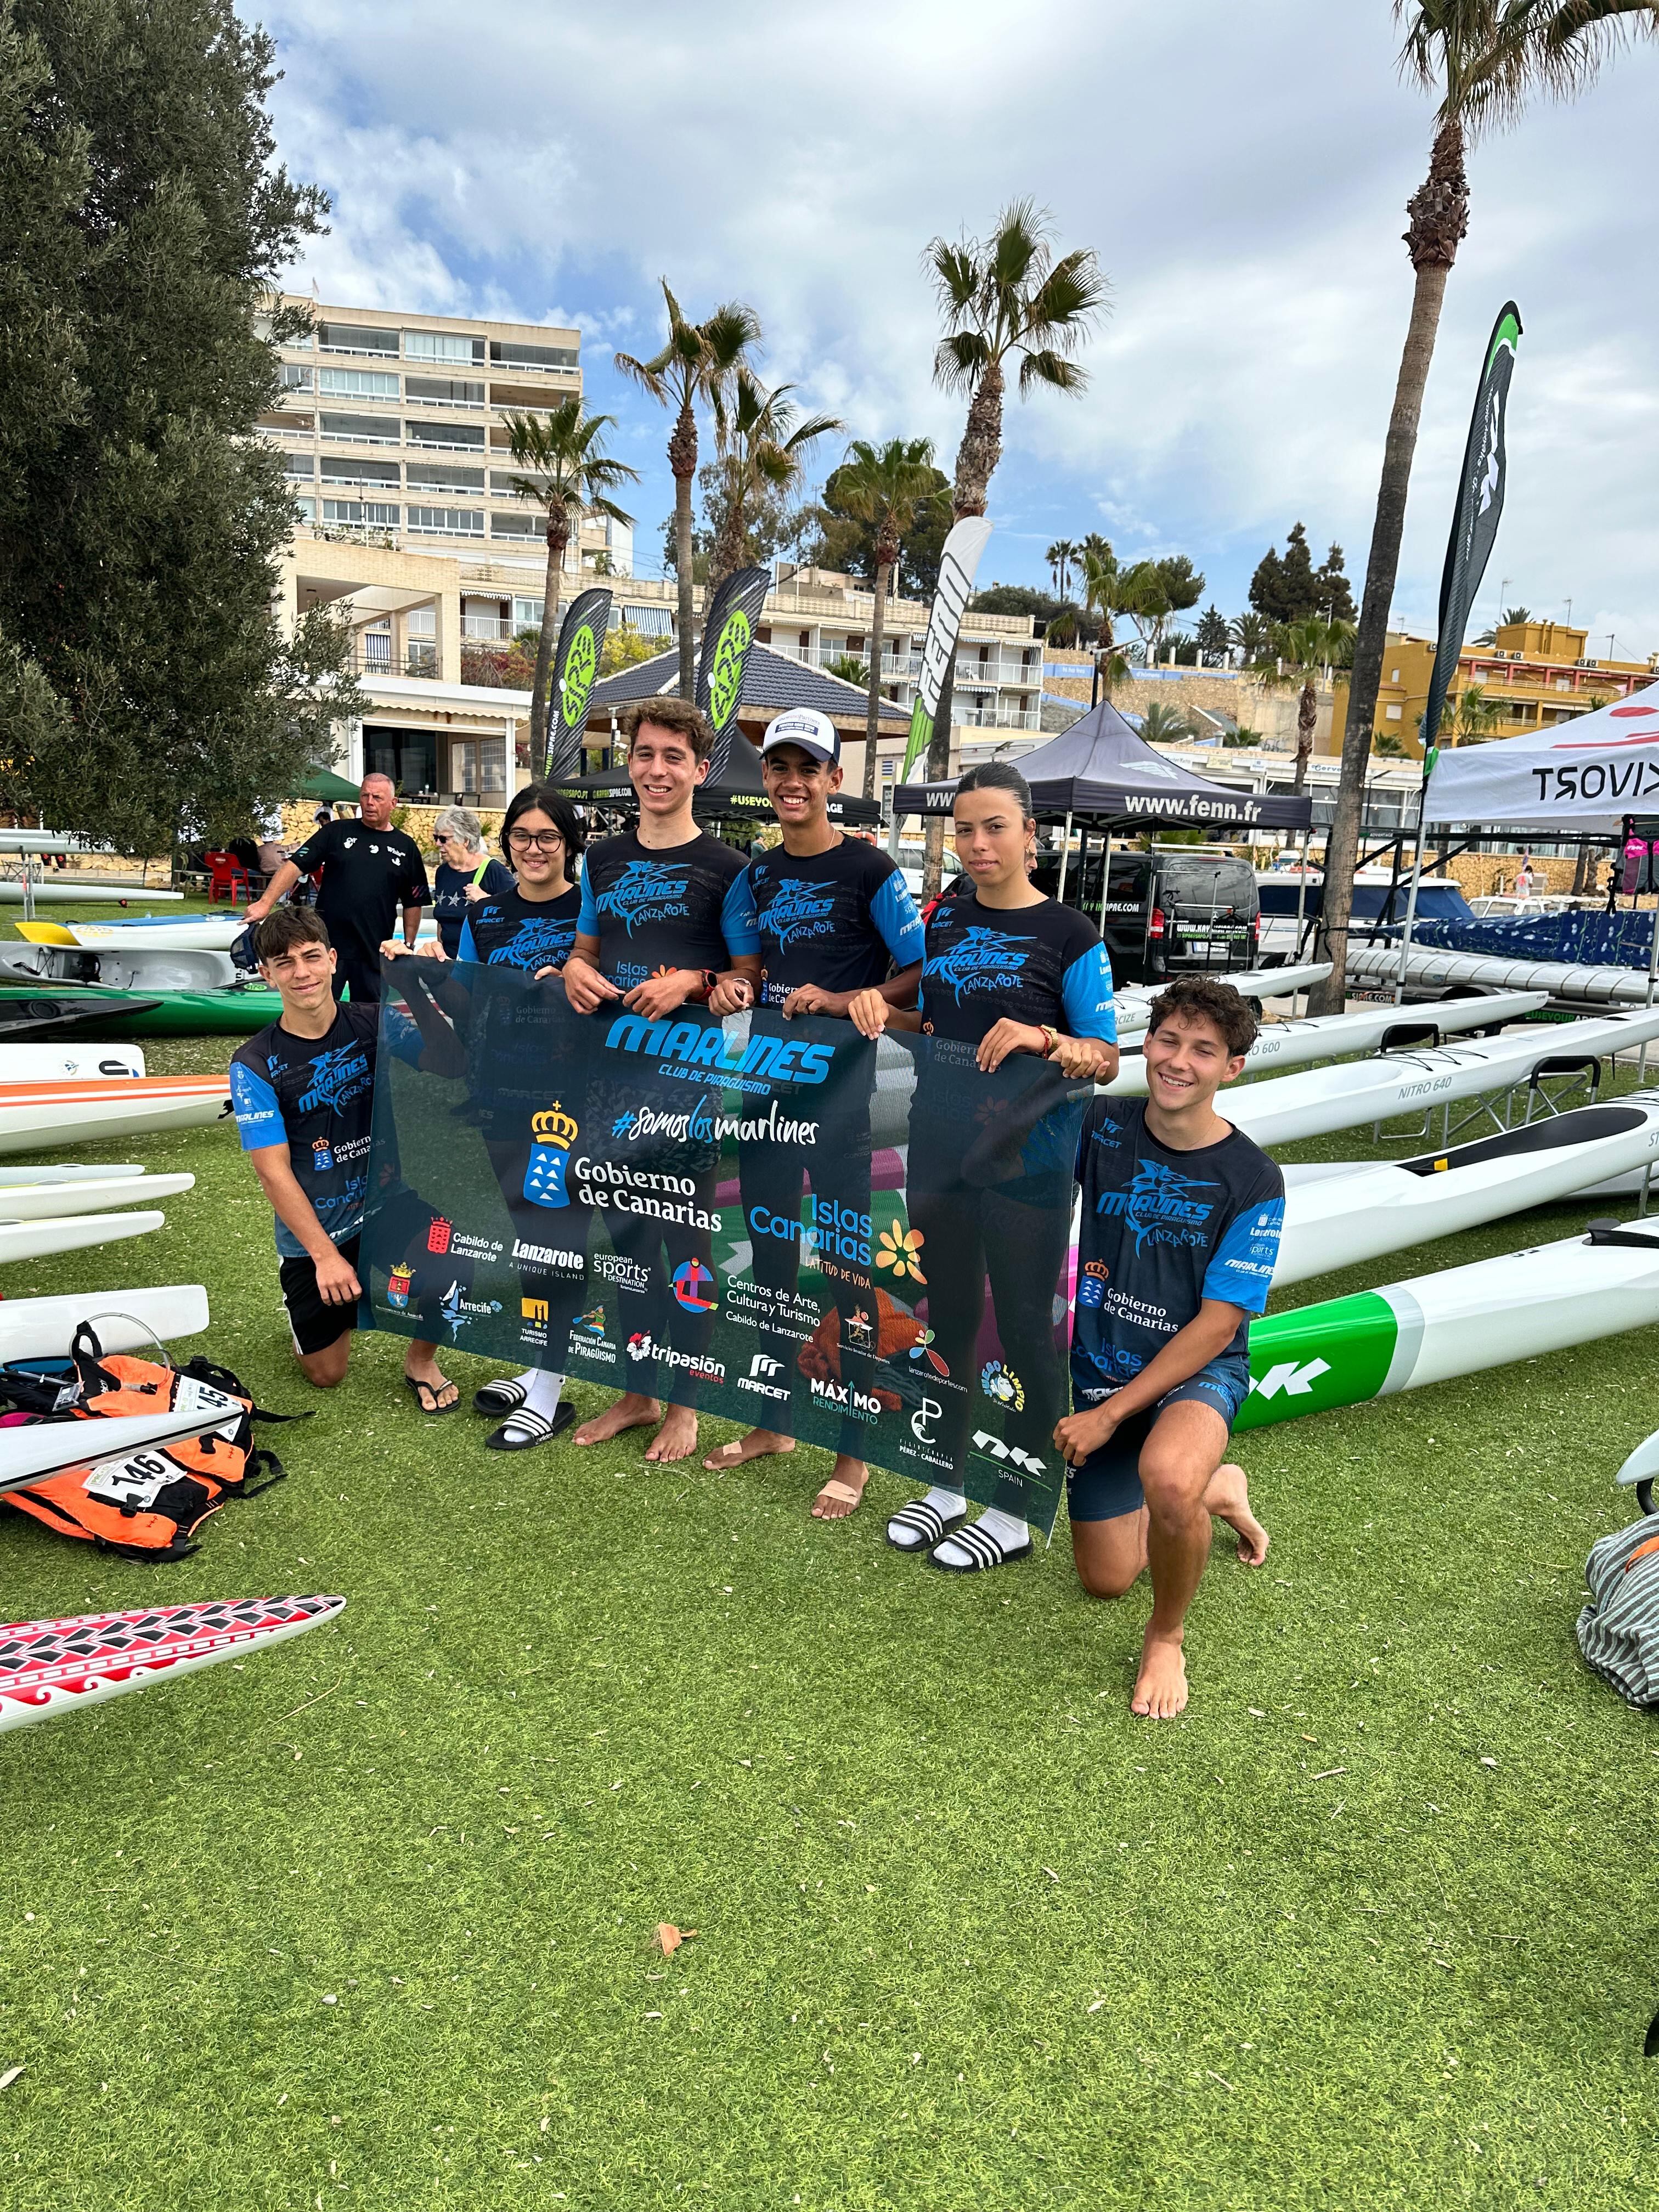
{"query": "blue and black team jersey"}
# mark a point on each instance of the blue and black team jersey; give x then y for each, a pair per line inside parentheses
(1028, 963)
(510, 931)
(450, 903)
(686, 906)
(1160, 1231)
(839, 919)
(318, 1093)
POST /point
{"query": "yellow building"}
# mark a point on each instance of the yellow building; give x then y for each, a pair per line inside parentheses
(1536, 673)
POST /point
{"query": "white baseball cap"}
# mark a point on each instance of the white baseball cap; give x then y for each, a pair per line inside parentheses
(804, 727)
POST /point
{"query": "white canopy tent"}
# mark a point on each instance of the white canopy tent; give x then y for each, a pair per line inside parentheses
(1576, 776)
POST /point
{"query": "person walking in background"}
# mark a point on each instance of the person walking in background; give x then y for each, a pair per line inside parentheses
(465, 872)
(369, 869)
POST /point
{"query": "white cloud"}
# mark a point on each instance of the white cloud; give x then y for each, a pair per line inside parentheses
(1242, 174)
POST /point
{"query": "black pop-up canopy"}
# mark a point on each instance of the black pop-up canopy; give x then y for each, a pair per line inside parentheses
(1100, 774)
(737, 795)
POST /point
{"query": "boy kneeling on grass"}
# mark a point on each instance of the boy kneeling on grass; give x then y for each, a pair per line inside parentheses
(303, 1091)
(1179, 1234)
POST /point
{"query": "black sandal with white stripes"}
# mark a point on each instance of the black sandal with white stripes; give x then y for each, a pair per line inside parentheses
(984, 1551)
(929, 1525)
(523, 1430)
(505, 1396)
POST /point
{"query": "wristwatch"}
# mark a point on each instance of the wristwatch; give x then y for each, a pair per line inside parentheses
(710, 977)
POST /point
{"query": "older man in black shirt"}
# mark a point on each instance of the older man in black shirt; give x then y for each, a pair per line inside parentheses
(369, 870)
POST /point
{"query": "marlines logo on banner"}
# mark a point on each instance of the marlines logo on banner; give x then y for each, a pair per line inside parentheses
(552, 1133)
(696, 1046)
(1001, 1383)
(643, 1345)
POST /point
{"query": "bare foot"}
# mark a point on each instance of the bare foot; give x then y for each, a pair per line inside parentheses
(759, 1443)
(676, 1439)
(1160, 1685)
(843, 1492)
(1229, 1500)
(630, 1411)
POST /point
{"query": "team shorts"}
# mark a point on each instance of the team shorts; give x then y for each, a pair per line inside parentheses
(315, 1324)
(1108, 1484)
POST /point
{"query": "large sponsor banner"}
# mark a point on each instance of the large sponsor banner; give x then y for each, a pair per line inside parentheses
(575, 667)
(777, 1222)
(1480, 487)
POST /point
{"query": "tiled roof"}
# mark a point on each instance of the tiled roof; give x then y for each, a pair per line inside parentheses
(772, 684)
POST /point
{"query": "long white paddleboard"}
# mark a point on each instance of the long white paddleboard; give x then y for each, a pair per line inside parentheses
(1368, 1208)
(69, 1063)
(43, 1448)
(204, 933)
(57, 1201)
(123, 1321)
(1250, 982)
(1426, 967)
(119, 967)
(1286, 1108)
(37, 1240)
(1527, 1305)
(60, 1172)
(1328, 1037)
(33, 1115)
(49, 1666)
(52, 891)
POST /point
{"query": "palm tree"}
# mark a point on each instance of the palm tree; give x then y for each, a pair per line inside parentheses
(1101, 579)
(1163, 725)
(883, 486)
(763, 438)
(695, 369)
(1252, 633)
(1143, 597)
(1475, 717)
(1002, 298)
(1510, 614)
(1059, 557)
(1483, 58)
(1308, 649)
(567, 474)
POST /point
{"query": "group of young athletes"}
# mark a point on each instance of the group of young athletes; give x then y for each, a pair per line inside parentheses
(1179, 1212)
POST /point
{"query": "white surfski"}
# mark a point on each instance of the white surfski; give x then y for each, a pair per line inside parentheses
(47, 1446)
(69, 1063)
(33, 1114)
(1249, 982)
(36, 1240)
(199, 933)
(59, 1171)
(58, 1202)
(124, 1320)
(1286, 1108)
(1329, 1037)
(126, 968)
(52, 891)
(1367, 1208)
(1428, 967)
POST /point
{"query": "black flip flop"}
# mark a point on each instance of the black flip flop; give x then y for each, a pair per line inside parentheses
(433, 1411)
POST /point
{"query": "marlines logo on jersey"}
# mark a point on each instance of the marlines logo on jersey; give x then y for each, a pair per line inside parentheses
(643, 1345)
(646, 892)
(801, 911)
(337, 1077)
(762, 1368)
(695, 1046)
(534, 943)
(552, 1133)
(1002, 1384)
(981, 960)
(1158, 1205)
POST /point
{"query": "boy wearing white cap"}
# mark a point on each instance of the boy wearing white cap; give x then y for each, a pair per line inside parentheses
(834, 919)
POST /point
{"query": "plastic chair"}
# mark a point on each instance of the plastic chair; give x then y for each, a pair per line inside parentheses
(227, 878)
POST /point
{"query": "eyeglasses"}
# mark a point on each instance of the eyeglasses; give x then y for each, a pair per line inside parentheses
(546, 841)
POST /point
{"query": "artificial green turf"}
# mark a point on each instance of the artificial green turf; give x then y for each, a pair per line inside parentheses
(368, 1921)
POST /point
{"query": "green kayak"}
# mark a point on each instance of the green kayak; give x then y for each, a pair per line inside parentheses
(235, 1012)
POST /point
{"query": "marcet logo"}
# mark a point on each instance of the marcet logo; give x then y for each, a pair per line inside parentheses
(552, 1133)
(762, 1368)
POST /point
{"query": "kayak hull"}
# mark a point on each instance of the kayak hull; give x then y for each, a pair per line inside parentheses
(49, 1666)
(37, 1240)
(124, 1320)
(33, 1115)
(238, 1012)
(57, 1201)
(68, 1063)
(119, 967)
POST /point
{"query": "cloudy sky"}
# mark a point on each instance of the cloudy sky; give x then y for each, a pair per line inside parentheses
(1241, 172)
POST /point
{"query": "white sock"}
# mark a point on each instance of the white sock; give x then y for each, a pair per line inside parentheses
(544, 1391)
(1008, 1532)
(945, 1502)
(528, 1380)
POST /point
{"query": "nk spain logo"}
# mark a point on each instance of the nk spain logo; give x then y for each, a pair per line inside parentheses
(694, 1286)
(552, 1133)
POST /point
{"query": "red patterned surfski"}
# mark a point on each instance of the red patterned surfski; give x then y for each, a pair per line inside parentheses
(49, 1666)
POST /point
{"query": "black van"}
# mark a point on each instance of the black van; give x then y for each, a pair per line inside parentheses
(1167, 913)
